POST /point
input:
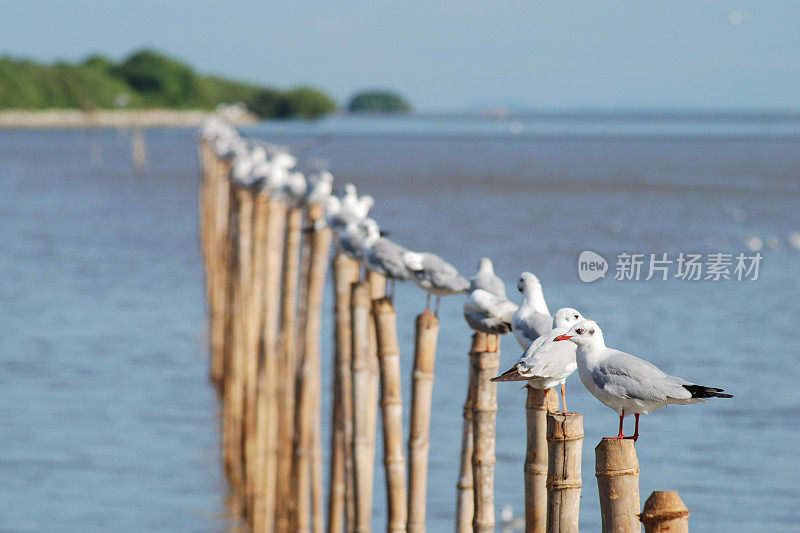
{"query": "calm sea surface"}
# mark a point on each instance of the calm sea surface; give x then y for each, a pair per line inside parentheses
(108, 423)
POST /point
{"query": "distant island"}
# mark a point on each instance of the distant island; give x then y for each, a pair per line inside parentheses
(383, 102)
(145, 80)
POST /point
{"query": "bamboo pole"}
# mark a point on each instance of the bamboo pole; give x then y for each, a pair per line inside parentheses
(308, 452)
(426, 334)
(267, 403)
(484, 418)
(465, 503)
(535, 467)
(364, 396)
(340, 489)
(388, 348)
(617, 471)
(565, 440)
(287, 366)
(252, 352)
(220, 251)
(665, 512)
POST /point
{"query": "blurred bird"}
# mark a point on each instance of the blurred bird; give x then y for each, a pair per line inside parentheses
(435, 276)
(487, 280)
(532, 319)
(488, 312)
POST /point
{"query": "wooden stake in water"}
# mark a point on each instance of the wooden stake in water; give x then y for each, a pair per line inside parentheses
(425, 338)
(341, 507)
(287, 366)
(267, 406)
(484, 418)
(220, 251)
(665, 512)
(308, 453)
(394, 462)
(617, 471)
(535, 467)
(364, 396)
(465, 503)
(138, 150)
(565, 439)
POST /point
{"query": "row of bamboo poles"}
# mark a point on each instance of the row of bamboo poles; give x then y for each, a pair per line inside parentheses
(265, 279)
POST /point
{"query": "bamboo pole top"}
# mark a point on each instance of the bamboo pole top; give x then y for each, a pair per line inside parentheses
(427, 320)
(564, 427)
(663, 506)
(616, 457)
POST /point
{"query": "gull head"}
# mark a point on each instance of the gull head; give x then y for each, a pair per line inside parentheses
(372, 229)
(566, 317)
(528, 282)
(413, 261)
(583, 333)
(485, 265)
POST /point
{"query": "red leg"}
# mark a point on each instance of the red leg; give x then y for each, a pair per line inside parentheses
(564, 400)
(620, 436)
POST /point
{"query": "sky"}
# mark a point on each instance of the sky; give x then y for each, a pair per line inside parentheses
(448, 56)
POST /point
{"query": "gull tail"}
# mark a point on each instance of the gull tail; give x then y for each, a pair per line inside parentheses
(699, 391)
(510, 375)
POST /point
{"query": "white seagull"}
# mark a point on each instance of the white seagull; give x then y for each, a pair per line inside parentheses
(435, 276)
(382, 255)
(351, 239)
(488, 312)
(487, 280)
(547, 363)
(532, 320)
(626, 383)
(320, 186)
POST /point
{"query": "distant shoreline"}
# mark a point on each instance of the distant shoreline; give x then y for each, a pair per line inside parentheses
(108, 118)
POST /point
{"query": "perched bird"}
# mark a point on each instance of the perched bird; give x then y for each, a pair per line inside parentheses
(532, 319)
(351, 239)
(382, 255)
(356, 206)
(488, 312)
(487, 280)
(339, 212)
(546, 363)
(294, 190)
(435, 276)
(320, 186)
(626, 383)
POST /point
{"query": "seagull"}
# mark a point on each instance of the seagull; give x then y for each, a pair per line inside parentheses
(532, 319)
(626, 383)
(382, 255)
(294, 190)
(435, 276)
(488, 312)
(352, 237)
(486, 279)
(547, 363)
(320, 186)
(353, 206)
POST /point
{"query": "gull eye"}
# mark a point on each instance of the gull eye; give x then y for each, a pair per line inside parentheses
(579, 331)
(575, 316)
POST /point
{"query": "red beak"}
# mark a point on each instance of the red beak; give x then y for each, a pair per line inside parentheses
(563, 337)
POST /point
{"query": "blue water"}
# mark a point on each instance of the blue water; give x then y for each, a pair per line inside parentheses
(108, 422)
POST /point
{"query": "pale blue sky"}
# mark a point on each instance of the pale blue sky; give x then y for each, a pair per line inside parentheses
(448, 55)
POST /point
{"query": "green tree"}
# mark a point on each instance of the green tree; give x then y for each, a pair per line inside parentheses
(378, 102)
(304, 102)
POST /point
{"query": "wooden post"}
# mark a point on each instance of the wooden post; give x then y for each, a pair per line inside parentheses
(617, 471)
(364, 396)
(238, 287)
(565, 441)
(465, 503)
(665, 512)
(220, 252)
(341, 508)
(426, 334)
(484, 418)
(287, 366)
(254, 321)
(388, 349)
(267, 403)
(535, 466)
(308, 452)
(138, 150)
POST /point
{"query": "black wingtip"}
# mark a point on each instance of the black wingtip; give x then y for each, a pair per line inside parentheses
(699, 391)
